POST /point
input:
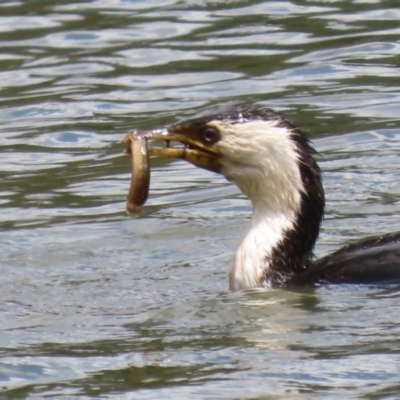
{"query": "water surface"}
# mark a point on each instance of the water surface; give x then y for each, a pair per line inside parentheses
(96, 304)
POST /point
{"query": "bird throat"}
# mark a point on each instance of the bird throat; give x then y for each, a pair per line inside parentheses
(279, 241)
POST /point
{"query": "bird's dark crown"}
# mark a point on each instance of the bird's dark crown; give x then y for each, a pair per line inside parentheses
(236, 114)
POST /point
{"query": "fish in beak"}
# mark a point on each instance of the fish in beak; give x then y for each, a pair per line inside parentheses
(185, 141)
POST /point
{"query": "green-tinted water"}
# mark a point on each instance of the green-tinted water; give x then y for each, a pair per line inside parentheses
(95, 304)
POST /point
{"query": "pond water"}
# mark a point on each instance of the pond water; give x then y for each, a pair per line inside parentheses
(94, 304)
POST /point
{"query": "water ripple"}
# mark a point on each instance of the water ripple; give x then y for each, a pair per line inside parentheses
(96, 304)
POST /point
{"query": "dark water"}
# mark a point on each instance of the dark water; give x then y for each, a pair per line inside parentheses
(94, 304)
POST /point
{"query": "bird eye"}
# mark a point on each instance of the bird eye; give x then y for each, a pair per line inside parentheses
(210, 135)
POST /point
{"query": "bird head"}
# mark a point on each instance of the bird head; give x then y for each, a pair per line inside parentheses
(269, 159)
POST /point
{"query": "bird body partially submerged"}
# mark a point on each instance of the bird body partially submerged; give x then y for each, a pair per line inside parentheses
(272, 162)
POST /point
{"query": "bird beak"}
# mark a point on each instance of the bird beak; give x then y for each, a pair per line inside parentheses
(187, 148)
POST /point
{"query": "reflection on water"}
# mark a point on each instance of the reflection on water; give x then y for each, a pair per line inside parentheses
(95, 304)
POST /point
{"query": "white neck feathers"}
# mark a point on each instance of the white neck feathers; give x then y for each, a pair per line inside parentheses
(252, 261)
(261, 158)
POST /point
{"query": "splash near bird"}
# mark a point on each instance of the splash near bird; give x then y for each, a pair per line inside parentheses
(272, 162)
